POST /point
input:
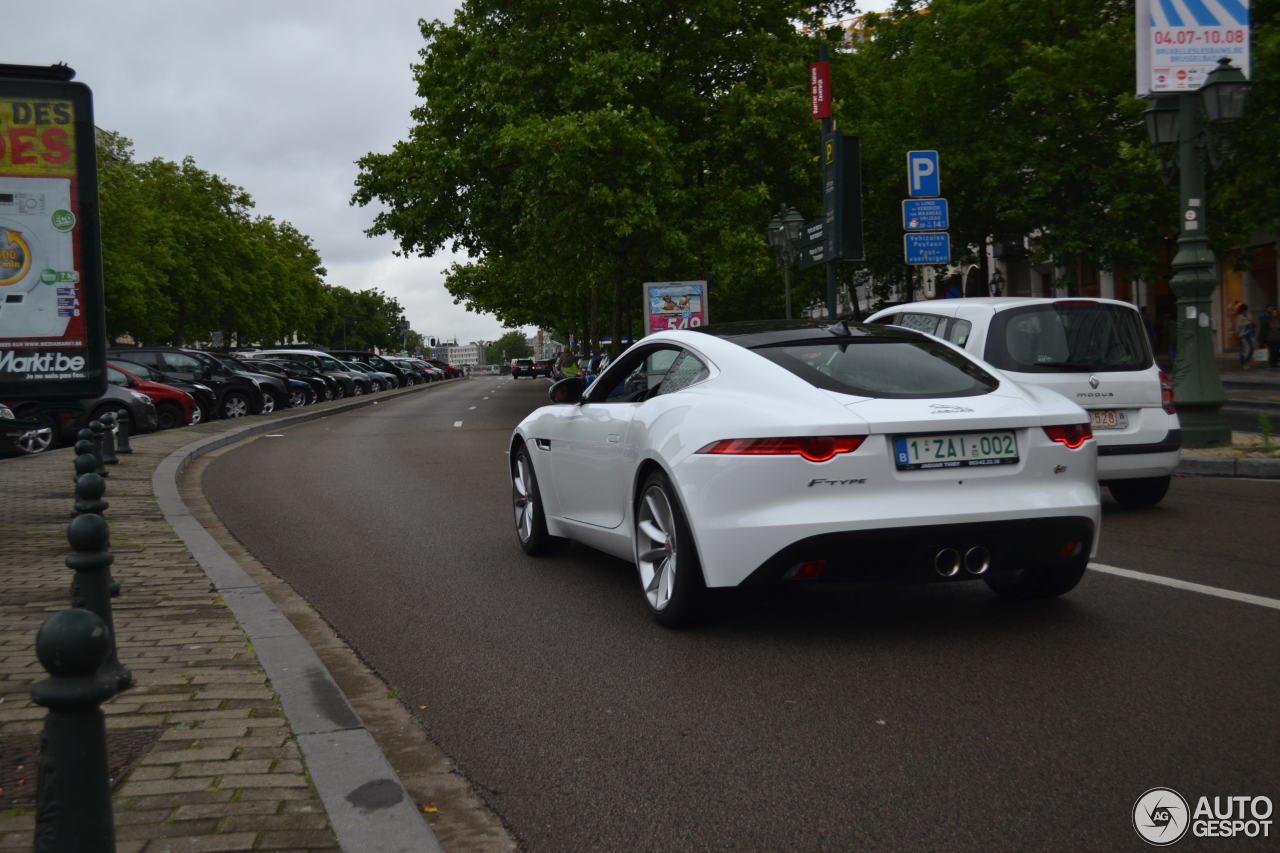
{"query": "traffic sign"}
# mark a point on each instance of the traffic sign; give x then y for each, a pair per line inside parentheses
(927, 247)
(922, 174)
(813, 245)
(925, 214)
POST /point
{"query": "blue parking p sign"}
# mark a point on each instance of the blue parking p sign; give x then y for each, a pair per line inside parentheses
(922, 174)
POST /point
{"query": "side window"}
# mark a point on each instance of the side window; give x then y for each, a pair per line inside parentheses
(115, 377)
(686, 370)
(927, 323)
(958, 332)
(636, 377)
(181, 363)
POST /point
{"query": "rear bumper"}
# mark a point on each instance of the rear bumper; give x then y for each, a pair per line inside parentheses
(911, 554)
(1132, 461)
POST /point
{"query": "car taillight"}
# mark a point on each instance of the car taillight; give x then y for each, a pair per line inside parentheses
(815, 448)
(1072, 435)
(1166, 394)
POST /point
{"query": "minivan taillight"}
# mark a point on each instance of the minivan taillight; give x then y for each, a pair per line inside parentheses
(1072, 435)
(1166, 394)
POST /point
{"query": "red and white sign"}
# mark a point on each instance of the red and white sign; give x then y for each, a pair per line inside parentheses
(820, 89)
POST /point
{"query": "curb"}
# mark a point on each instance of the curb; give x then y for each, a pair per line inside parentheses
(368, 805)
(1229, 466)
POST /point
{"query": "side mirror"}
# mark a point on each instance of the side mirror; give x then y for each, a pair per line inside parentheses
(568, 390)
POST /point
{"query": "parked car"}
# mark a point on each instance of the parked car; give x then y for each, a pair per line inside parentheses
(416, 374)
(523, 367)
(174, 407)
(61, 421)
(238, 393)
(276, 392)
(450, 371)
(305, 387)
(206, 402)
(381, 380)
(1093, 351)
(782, 453)
(434, 373)
(377, 362)
(345, 382)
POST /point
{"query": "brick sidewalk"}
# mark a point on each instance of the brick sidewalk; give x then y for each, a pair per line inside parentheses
(208, 758)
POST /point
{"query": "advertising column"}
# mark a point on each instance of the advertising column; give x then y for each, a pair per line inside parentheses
(52, 342)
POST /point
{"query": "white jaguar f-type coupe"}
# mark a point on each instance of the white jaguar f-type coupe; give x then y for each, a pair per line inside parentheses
(782, 452)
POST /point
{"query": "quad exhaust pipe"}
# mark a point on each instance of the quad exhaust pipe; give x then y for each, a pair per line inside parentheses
(975, 560)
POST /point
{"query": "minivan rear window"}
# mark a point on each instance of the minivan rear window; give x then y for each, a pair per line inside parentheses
(878, 367)
(1067, 336)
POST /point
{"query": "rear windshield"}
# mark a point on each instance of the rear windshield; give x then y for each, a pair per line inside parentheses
(1068, 336)
(870, 367)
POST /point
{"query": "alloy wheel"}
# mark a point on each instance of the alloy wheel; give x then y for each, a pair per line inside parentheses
(656, 551)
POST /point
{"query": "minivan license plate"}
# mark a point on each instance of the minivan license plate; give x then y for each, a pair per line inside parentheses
(1109, 419)
(954, 450)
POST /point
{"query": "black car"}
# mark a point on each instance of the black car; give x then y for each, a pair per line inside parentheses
(238, 394)
(206, 400)
(346, 385)
(275, 388)
(377, 362)
(317, 387)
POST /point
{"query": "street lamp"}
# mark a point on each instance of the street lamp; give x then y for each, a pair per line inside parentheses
(784, 234)
(997, 283)
(1197, 385)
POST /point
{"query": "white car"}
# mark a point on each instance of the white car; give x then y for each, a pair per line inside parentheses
(1092, 351)
(781, 452)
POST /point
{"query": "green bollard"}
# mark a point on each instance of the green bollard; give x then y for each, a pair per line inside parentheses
(95, 437)
(91, 586)
(122, 434)
(109, 439)
(73, 791)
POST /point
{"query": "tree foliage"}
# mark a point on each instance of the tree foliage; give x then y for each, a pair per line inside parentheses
(577, 149)
(510, 345)
(183, 257)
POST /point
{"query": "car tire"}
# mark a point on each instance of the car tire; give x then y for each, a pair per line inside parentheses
(297, 398)
(357, 390)
(1144, 492)
(169, 415)
(235, 404)
(268, 403)
(198, 414)
(526, 502)
(40, 439)
(665, 555)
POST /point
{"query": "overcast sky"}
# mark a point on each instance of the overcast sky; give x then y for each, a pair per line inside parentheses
(279, 97)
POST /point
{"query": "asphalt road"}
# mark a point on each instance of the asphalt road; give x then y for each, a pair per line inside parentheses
(917, 718)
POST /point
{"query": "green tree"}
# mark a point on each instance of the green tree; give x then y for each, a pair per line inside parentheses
(510, 345)
(577, 149)
(1030, 108)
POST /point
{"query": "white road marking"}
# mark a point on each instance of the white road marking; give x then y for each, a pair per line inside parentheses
(471, 408)
(1244, 597)
(457, 423)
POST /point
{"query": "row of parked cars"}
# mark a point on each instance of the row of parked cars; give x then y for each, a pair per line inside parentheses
(162, 387)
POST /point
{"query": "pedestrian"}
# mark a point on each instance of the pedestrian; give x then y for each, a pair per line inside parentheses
(1245, 331)
(1269, 334)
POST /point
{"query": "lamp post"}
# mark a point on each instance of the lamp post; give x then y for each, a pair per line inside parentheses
(1176, 121)
(784, 233)
(996, 283)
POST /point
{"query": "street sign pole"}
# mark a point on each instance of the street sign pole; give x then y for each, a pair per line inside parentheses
(830, 265)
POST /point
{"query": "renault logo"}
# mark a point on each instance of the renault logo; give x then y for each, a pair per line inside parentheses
(1093, 382)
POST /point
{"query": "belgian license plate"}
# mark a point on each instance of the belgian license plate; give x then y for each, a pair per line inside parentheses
(1109, 419)
(954, 450)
